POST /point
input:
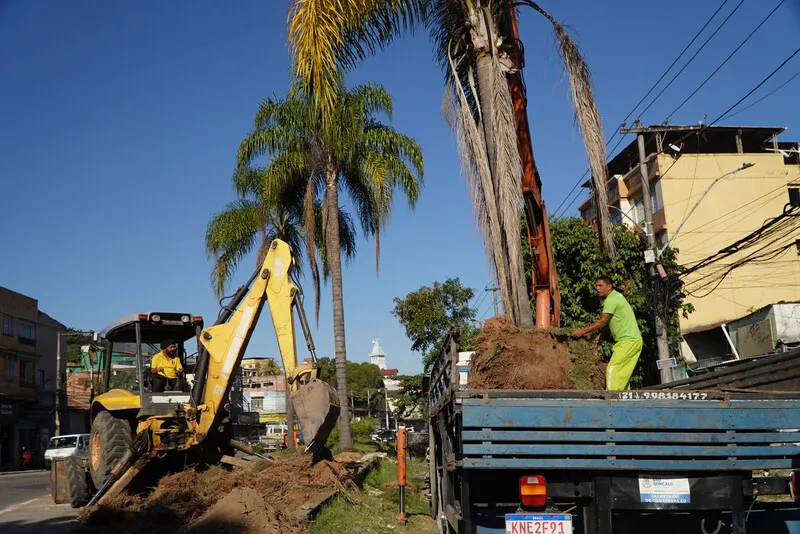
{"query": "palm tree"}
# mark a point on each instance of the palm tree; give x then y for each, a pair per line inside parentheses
(471, 39)
(267, 367)
(254, 220)
(351, 151)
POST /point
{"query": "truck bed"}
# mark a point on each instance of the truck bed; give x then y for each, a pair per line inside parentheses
(640, 430)
(725, 449)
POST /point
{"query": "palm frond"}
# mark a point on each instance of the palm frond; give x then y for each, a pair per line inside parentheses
(372, 99)
(247, 180)
(309, 223)
(327, 36)
(231, 235)
(588, 118)
(265, 142)
(475, 163)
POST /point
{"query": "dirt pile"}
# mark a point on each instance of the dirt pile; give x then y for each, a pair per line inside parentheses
(265, 497)
(507, 357)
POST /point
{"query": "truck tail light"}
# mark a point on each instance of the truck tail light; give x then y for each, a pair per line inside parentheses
(794, 486)
(533, 491)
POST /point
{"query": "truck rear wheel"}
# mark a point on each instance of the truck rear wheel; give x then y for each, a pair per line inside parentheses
(77, 483)
(110, 439)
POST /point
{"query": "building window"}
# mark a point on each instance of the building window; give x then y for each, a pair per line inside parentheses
(794, 197)
(637, 213)
(257, 404)
(9, 369)
(40, 378)
(615, 215)
(8, 325)
(27, 330)
(26, 371)
(656, 198)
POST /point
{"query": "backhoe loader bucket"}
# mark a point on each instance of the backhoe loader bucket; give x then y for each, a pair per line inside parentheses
(317, 406)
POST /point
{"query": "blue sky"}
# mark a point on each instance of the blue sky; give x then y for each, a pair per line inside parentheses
(120, 123)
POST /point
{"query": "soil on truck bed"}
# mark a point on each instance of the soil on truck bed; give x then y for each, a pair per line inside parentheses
(508, 357)
(272, 496)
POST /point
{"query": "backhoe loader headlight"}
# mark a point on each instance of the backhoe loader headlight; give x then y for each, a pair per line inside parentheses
(155, 318)
(185, 318)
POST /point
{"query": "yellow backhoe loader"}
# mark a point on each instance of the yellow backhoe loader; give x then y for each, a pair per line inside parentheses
(131, 425)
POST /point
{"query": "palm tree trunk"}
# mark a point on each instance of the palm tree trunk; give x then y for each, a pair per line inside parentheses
(333, 248)
(500, 138)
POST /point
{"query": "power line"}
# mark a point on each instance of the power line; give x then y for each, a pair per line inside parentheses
(632, 111)
(726, 59)
(723, 115)
(677, 58)
(692, 58)
(754, 89)
(781, 86)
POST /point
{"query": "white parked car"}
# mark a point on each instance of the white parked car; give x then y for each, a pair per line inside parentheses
(68, 445)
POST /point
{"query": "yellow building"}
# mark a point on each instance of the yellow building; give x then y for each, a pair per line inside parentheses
(685, 166)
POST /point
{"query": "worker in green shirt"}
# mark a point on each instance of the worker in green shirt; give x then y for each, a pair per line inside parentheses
(619, 317)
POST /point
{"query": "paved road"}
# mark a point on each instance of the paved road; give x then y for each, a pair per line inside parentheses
(26, 508)
(19, 487)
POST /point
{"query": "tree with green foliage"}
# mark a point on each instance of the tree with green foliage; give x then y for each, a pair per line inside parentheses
(579, 263)
(411, 398)
(364, 379)
(267, 367)
(257, 218)
(428, 313)
(352, 152)
(75, 339)
(327, 370)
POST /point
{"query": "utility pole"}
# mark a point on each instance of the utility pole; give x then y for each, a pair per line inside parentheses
(58, 383)
(290, 444)
(662, 346)
(494, 291)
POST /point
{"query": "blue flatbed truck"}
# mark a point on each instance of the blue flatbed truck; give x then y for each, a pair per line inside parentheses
(597, 462)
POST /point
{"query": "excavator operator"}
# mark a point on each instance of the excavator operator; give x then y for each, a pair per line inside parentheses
(165, 367)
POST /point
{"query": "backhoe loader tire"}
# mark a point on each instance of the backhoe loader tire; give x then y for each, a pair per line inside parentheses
(110, 439)
(77, 483)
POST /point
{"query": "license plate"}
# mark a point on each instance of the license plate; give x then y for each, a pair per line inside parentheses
(538, 524)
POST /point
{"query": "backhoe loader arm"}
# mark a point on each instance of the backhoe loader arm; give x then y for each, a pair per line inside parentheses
(226, 342)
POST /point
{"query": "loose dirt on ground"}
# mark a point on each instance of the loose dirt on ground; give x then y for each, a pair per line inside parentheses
(508, 357)
(270, 496)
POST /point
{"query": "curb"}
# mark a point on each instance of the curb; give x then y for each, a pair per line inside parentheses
(23, 471)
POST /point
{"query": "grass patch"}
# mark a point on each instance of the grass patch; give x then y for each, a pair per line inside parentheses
(379, 505)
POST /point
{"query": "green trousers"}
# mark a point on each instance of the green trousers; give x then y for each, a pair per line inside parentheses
(622, 363)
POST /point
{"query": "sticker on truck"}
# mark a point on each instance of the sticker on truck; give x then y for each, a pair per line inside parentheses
(665, 490)
(665, 395)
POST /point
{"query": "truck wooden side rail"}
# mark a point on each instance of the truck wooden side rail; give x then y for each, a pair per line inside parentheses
(622, 461)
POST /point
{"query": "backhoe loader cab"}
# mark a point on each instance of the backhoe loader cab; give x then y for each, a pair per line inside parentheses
(140, 336)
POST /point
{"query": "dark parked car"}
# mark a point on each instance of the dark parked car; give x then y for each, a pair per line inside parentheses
(384, 435)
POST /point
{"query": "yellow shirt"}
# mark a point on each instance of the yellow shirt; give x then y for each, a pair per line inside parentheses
(170, 365)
